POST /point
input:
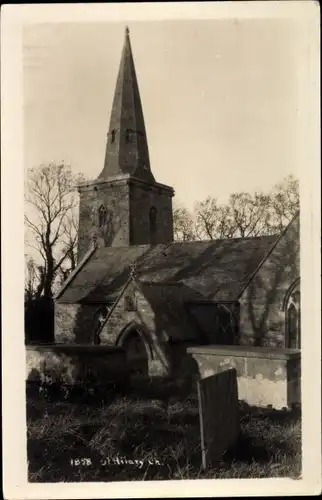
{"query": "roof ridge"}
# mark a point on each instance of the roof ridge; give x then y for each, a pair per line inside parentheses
(245, 238)
(204, 268)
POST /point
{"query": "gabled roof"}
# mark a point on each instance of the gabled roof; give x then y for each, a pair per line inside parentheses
(216, 269)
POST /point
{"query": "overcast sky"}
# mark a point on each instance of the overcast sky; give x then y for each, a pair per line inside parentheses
(219, 98)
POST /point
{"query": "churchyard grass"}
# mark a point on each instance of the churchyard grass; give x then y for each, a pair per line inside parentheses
(78, 441)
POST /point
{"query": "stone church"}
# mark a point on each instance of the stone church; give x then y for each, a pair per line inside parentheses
(135, 287)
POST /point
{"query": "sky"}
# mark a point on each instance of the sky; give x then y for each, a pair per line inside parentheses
(219, 97)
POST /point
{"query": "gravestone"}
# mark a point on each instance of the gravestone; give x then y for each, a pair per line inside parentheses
(219, 415)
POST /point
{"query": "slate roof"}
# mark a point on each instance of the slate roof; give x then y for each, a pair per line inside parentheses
(216, 269)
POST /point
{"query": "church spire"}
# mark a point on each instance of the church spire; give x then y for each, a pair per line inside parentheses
(126, 148)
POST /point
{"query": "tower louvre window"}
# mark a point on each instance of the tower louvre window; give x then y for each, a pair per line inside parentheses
(127, 135)
(113, 133)
(153, 219)
(102, 216)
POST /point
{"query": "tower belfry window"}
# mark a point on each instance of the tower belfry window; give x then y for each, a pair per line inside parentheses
(102, 216)
(113, 133)
(153, 220)
(127, 135)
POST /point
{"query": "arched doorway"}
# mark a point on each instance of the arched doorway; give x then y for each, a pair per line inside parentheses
(293, 317)
(137, 350)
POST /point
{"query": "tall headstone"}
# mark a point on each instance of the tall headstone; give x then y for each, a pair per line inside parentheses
(219, 415)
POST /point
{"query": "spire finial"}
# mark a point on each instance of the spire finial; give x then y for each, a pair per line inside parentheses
(127, 31)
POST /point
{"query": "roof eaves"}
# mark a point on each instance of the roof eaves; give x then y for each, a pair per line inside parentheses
(209, 302)
(74, 273)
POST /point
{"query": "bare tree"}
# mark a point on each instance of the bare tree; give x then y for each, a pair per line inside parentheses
(183, 224)
(212, 220)
(69, 246)
(51, 221)
(285, 203)
(244, 215)
(248, 215)
(30, 278)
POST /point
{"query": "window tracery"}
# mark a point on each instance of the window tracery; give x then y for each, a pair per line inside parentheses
(102, 216)
(153, 220)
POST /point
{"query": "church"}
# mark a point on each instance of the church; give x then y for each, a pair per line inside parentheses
(136, 288)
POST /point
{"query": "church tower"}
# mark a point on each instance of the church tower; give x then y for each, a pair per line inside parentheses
(125, 205)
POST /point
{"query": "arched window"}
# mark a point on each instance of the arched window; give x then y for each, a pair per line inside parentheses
(225, 326)
(153, 220)
(127, 135)
(99, 320)
(292, 323)
(113, 133)
(102, 216)
(130, 303)
(293, 319)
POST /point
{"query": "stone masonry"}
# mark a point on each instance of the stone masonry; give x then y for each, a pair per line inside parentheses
(126, 188)
(262, 313)
(228, 291)
(128, 203)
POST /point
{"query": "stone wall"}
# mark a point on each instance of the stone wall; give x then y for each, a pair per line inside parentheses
(142, 198)
(266, 377)
(128, 204)
(71, 364)
(142, 320)
(219, 323)
(115, 196)
(262, 319)
(74, 323)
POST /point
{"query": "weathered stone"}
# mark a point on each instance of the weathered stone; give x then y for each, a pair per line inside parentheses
(128, 203)
(262, 303)
(239, 285)
(70, 364)
(219, 415)
(126, 187)
(266, 376)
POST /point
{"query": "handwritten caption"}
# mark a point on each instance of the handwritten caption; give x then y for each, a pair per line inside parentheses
(115, 461)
